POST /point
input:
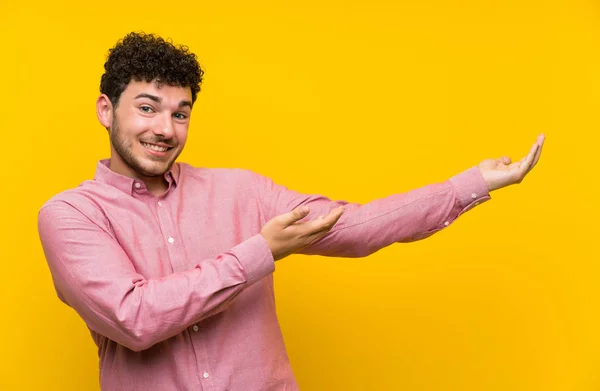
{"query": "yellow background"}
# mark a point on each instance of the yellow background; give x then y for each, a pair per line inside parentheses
(355, 100)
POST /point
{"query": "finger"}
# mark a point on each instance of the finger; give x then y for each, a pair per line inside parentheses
(504, 160)
(528, 160)
(316, 235)
(540, 141)
(327, 222)
(324, 224)
(319, 217)
(295, 215)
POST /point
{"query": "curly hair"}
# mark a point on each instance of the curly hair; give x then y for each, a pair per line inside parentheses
(146, 57)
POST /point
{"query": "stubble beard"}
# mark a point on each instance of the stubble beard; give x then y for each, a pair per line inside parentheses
(124, 149)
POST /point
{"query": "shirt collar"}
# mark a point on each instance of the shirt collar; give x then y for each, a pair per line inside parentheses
(124, 183)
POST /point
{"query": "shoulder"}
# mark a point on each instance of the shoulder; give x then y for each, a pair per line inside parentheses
(221, 175)
(82, 201)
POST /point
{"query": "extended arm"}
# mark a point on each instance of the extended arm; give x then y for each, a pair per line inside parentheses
(414, 215)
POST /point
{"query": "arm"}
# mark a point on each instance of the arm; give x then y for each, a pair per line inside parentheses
(364, 229)
(94, 276)
(415, 215)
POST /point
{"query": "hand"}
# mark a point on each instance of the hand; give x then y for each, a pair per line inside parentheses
(501, 172)
(285, 235)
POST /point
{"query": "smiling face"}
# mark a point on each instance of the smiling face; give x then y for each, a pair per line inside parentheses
(148, 128)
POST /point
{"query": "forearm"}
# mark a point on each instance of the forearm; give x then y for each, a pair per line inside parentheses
(411, 216)
(153, 310)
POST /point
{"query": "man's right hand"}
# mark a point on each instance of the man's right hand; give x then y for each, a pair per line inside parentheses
(285, 235)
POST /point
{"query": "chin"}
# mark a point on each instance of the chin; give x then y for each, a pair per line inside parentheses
(154, 169)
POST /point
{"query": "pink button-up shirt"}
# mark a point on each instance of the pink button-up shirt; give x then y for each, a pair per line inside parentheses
(177, 290)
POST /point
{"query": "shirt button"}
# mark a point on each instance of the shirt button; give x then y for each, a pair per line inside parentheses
(171, 240)
(447, 223)
(159, 203)
(205, 375)
(473, 195)
(195, 328)
(137, 185)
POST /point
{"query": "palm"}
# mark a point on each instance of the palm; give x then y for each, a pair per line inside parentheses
(502, 172)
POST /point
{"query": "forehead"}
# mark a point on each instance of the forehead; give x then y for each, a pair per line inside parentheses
(168, 93)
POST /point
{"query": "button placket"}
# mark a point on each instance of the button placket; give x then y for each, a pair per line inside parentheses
(170, 232)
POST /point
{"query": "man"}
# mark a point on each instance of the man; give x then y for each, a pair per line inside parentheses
(170, 266)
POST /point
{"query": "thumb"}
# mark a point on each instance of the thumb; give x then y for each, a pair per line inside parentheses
(299, 213)
(505, 160)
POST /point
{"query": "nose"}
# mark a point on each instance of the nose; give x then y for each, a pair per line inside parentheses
(164, 126)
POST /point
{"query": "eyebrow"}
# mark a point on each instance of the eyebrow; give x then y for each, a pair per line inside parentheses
(157, 99)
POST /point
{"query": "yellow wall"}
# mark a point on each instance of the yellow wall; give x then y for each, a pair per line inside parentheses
(355, 100)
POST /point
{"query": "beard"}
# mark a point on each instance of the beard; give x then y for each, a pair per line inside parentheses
(147, 165)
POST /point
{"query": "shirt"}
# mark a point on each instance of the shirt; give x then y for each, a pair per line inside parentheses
(177, 290)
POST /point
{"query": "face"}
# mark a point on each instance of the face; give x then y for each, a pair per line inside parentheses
(148, 129)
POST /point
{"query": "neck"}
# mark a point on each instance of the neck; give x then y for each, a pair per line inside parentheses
(156, 185)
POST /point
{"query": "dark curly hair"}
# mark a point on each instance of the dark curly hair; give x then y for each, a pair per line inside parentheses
(146, 57)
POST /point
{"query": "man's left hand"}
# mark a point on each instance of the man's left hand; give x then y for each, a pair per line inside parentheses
(502, 172)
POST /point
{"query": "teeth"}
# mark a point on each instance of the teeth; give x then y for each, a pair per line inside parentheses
(155, 147)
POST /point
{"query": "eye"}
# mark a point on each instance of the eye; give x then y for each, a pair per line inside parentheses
(180, 116)
(146, 109)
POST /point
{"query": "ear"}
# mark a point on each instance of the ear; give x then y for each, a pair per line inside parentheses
(104, 111)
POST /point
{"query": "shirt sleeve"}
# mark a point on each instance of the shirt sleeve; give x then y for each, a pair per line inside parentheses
(365, 229)
(94, 276)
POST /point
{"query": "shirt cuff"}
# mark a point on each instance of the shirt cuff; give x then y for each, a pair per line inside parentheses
(471, 188)
(256, 258)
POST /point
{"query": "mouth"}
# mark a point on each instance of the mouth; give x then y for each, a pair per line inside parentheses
(156, 150)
